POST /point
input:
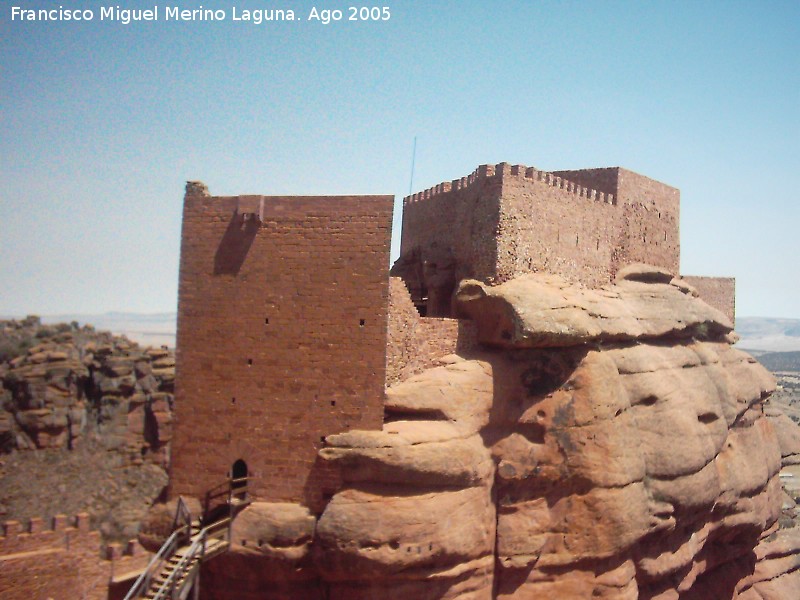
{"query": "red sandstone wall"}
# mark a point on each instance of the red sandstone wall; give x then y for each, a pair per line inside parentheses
(416, 343)
(61, 561)
(604, 180)
(652, 219)
(719, 292)
(583, 225)
(551, 225)
(281, 338)
(459, 216)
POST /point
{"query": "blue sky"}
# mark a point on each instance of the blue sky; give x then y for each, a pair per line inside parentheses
(102, 123)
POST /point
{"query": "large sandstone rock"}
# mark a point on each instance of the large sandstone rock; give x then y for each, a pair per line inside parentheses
(788, 435)
(161, 521)
(539, 311)
(416, 518)
(281, 531)
(605, 444)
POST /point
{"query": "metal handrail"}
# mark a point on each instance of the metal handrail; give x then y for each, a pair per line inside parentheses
(182, 514)
(191, 560)
(142, 583)
(182, 533)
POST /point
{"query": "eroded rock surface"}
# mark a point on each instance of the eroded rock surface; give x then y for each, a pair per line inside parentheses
(69, 384)
(604, 444)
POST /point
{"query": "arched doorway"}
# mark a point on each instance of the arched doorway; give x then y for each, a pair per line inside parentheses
(239, 476)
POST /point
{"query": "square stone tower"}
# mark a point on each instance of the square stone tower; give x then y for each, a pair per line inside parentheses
(281, 337)
(502, 221)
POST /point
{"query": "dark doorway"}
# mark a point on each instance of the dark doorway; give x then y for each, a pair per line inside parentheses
(239, 479)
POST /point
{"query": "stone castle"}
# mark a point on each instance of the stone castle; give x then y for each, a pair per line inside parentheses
(410, 433)
(286, 310)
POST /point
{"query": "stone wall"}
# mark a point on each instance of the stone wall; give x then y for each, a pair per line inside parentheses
(505, 220)
(719, 292)
(63, 559)
(416, 343)
(281, 337)
(545, 227)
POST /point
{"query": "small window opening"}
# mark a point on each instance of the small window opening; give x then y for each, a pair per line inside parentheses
(266, 321)
(362, 322)
(333, 402)
(233, 400)
(249, 362)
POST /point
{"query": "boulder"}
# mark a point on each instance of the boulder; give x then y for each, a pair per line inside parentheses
(604, 443)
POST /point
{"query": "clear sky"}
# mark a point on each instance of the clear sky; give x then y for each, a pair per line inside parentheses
(102, 123)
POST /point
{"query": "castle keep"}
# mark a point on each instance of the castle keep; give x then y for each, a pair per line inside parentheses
(281, 337)
(502, 221)
(285, 310)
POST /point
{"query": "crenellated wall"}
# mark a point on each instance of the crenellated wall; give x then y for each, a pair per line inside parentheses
(550, 224)
(456, 220)
(504, 220)
(64, 559)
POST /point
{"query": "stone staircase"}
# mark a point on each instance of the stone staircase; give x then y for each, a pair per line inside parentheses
(173, 573)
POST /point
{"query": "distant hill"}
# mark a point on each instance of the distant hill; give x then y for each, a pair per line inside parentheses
(780, 361)
(768, 334)
(147, 329)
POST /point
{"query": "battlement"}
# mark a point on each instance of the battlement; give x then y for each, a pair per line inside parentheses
(35, 526)
(504, 171)
(24, 537)
(46, 558)
(503, 220)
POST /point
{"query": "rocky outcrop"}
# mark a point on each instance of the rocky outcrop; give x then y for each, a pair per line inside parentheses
(788, 435)
(270, 555)
(605, 443)
(68, 384)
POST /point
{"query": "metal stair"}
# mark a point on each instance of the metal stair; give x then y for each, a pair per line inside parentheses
(174, 571)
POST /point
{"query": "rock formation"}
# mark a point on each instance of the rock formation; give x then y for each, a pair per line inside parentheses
(605, 443)
(69, 383)
(86, 415)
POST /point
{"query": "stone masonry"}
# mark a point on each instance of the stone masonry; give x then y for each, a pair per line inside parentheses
(281, 338)
(284, 303)
(506, 220)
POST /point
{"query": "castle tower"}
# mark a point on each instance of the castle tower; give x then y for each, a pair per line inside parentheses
(502, 221)
(281, 338)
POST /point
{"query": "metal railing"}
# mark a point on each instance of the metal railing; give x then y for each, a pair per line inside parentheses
(177, 585)
(155, 566)
(178, 582)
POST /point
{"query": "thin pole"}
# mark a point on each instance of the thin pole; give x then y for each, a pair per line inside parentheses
(413, 162)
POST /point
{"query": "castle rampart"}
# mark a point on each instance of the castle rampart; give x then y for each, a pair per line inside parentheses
(63, 558)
